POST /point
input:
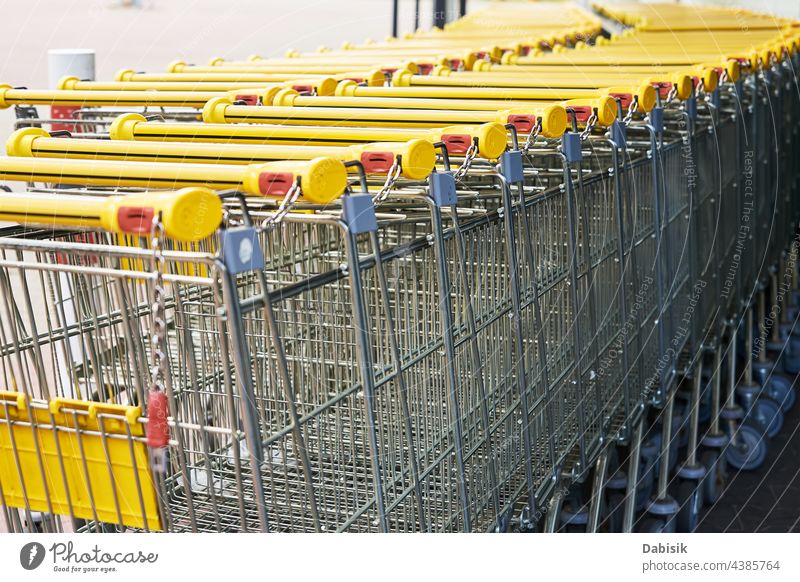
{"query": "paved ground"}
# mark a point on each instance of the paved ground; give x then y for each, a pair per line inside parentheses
(765, 500)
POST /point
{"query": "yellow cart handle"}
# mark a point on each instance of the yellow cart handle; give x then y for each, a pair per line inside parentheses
(551, 115)
(372, 78)
(320, 86)
(491, 137)
(416, 158)
(221, 110)
(300, 68)
(463, 98)
(197, 99)
(189, 214)
(322, 179)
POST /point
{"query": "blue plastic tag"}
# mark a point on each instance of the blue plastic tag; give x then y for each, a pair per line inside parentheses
(240, 250)
(619, 135)
(657, 119)
(443, 188)
(571, 144)
(358, 212)
(715, 98)
(691, 107)
(511, 166)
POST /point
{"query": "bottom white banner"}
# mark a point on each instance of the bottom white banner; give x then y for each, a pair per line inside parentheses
(226, 557)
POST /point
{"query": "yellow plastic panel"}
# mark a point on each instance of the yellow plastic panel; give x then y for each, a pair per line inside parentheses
(105, 475)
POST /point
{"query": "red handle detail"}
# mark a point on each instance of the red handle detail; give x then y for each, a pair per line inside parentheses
(275, 183)
(247, 99)
(135, 219)
(377, 162)
(624, 98)
(157, 414)
(522, 123)
(456, 143)
(582, 113)
(663, 89)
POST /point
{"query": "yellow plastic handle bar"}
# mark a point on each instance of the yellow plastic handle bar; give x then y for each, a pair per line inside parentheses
(491, 137)
(346, 58)
(322, 179)
(289, 98)
(320, 86)
(371, 78)
(10, 96)
(416, 158)
(300, 68)
(221, 110)
(188, 215)
(584, 58)
(467, 97)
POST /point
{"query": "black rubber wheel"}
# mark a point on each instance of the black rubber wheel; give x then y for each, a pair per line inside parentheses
(747, 450)
(769, 415)
(690, 499)
(615, 511)
(716, 475)
(779, 387)
(646, 483)
(651, 525)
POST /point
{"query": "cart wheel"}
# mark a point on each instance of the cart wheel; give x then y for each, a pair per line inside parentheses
(651, 525)
(690, 498)
(646, 483)
(716, 475)
(769, 415)
(615, 511)
(748, 448)
(781, 390)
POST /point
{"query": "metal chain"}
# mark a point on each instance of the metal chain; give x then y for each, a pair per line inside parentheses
(391, 177)
(285, 207)
(590, 125)
(672, 93)
(157, 410)
(469, 157)
(632, 108)
(537, 129)
(158, 310)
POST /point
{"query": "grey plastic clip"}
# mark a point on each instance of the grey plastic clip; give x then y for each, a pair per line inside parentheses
(358, 212)
(619, 135)
(571, 144)
(511, 166)
(691, 107)
(241, 251)
(443, 188)
(657, 119)
(716, 99)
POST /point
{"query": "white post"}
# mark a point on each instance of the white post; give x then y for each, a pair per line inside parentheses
(67, 62)
(62, 63)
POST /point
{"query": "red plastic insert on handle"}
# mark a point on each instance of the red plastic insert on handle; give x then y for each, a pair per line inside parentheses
(247, 99)
(377, 162)
(522, 123)
(275, 183)
(456, 143)
(135, 219)
(624, 98)
(157, 426)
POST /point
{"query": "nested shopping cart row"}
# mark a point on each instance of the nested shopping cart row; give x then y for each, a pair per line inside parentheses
(371, 308)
